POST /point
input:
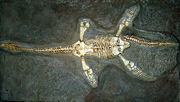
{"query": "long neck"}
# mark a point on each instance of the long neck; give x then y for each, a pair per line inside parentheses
(55, 50)
(145, 42)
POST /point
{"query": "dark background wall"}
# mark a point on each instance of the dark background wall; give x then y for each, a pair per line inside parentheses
(59, 77)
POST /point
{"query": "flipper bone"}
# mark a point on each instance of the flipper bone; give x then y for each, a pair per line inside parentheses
(84, 25)
(135, 70)
(90, 75)
(88, 72)
(127, 18)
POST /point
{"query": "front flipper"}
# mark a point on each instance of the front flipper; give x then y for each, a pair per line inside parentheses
(84, 25)
(136, 71)
(90, 75)
(127, 18)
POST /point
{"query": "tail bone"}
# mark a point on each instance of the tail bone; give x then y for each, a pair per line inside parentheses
(56, 50)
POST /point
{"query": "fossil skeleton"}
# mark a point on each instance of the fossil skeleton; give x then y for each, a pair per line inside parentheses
(105, 46)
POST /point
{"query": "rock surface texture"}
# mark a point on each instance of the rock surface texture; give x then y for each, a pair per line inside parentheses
(33, 77)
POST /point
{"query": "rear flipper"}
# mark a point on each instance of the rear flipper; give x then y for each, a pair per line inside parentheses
(137, 72)
(91, 77)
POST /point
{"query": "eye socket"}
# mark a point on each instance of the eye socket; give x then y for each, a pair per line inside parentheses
(84, 23)
(118, 41)
(77, 46)
(95, 50)
(94, 43)
(77, 52)
(119, 49)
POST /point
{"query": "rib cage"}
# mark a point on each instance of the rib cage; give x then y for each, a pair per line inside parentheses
(101, 46)
(104, 46)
